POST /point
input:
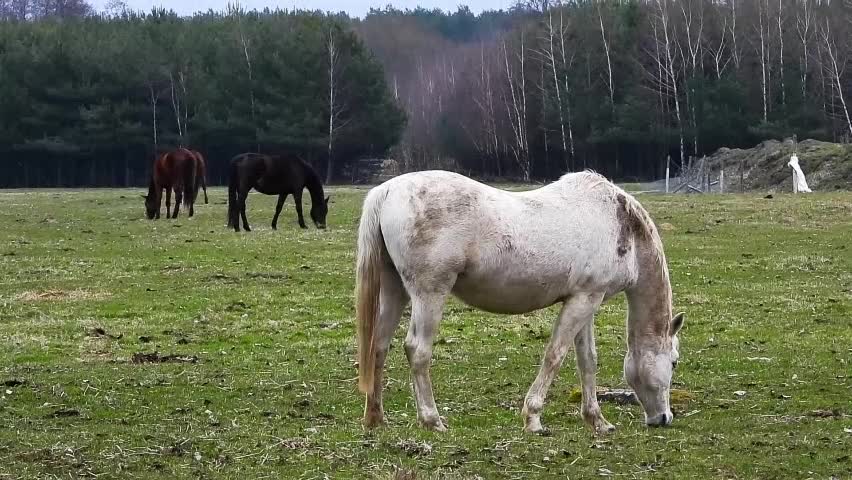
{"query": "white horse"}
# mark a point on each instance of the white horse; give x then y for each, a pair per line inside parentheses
(578, 241)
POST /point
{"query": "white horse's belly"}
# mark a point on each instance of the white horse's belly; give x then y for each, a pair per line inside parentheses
(499, 292)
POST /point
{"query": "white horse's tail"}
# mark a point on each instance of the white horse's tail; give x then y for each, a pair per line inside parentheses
(368, 274)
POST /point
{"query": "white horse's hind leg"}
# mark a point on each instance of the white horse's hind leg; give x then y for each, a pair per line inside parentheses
(587, 365)
(392, 300)
(577, 311)
(426, 313)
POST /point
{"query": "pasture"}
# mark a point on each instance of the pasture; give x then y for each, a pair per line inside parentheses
(181, 349)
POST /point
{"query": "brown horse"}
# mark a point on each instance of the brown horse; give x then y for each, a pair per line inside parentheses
(200, 174)
(274, 175)
(175, 170)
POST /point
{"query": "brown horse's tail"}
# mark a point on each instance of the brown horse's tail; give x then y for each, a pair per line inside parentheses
(368, 266)
(201, 172)
(233, 182)
(189, 178)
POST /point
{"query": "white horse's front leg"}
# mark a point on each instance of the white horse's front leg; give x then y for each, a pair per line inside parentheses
(425, 318)
(577, 311)
(587, 365)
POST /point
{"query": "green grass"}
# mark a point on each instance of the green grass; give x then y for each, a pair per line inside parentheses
(766, 284)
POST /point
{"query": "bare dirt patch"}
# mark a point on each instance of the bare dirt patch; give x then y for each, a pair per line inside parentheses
(154, 357)
(98, 332)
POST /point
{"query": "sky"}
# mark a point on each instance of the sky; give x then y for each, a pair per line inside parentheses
(355, 8)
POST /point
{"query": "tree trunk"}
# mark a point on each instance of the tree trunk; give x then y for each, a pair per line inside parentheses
(609, 84)
(763, 61)
(551, 57)
(176, 107)
(250, 73)
(671, 72)
(781, 53)
(332, 106)
(735, 52)
(835, 70)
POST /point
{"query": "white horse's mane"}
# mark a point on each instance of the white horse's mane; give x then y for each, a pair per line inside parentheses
(590, 180)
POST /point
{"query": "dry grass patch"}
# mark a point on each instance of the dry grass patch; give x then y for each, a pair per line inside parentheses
(61, 295)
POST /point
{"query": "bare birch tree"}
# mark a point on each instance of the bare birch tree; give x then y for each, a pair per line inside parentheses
(335, 104)
(610, 85)
(804, 29)
(763, 60)
(516, 106)
(567, 62)
(154, 97)
(176, 108)
(835, 66)
(694, 46)
(550, 59)
(237, 11)
(720, 59)
(735, 50)
(670, 71)
(185, 104)
(781, 51)
(488, 111)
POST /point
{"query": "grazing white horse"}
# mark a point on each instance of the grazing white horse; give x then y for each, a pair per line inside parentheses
(577, 241)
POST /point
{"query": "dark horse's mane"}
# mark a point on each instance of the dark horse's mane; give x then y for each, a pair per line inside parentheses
(312, 180)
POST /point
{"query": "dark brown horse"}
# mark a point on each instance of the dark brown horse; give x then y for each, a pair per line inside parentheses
(200, 174)
(274, 175)
(175, 170)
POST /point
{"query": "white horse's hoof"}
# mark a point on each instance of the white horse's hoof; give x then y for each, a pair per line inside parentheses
(532, 424)
(542, 431)
(602, 427)
(434, 424)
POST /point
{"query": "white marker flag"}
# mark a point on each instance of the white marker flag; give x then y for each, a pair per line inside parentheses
(799, 182)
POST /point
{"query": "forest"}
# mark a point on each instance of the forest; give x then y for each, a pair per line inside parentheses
(87, 100)
(619, 86)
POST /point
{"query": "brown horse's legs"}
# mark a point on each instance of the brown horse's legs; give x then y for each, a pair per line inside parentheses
(168, 202)
(278, 208)
(242, 206)
(158, 195)
(178, 199)
(234, 213)
(298, 198)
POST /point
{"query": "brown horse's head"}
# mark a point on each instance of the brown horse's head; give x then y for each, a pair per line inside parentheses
(319, 211)
(150, 206)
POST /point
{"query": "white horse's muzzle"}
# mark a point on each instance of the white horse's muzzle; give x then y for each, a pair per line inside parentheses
(661, 420)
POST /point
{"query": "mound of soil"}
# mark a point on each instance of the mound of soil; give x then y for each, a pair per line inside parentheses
(827, 166)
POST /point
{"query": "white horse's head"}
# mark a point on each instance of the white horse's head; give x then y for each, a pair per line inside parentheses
(648, 370)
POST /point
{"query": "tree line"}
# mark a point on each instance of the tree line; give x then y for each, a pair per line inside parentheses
(614, 85)
(530, 92)
(90, 99)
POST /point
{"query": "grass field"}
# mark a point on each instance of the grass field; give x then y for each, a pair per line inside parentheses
(255, 374)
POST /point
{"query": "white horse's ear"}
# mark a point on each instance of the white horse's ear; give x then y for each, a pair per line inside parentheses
(677, 323)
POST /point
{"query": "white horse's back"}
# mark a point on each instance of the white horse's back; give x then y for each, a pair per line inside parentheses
(508, 252)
